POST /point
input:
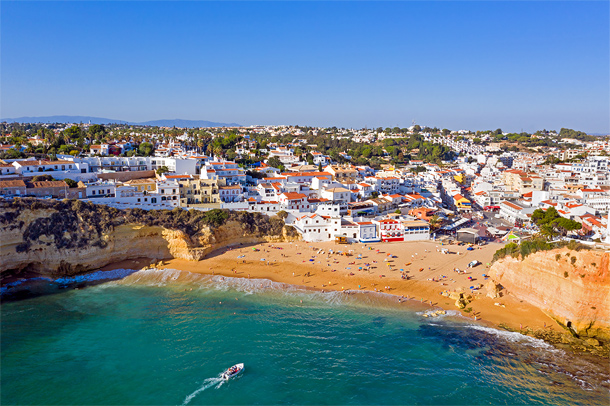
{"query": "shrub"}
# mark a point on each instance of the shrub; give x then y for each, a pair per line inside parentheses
(573, 260)
(538, 244)
(566, 274)
(216, 217)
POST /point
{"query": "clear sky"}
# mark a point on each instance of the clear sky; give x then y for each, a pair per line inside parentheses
(460, 65)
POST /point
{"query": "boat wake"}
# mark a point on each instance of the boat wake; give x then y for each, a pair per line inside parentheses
(207, 384)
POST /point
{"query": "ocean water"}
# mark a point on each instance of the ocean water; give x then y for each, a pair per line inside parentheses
(163, 337)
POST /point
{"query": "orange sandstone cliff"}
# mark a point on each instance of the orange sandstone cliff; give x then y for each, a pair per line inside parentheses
(38, 239)
(573, 287)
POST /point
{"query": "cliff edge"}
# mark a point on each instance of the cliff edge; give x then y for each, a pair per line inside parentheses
(65, 238)
(571, 286)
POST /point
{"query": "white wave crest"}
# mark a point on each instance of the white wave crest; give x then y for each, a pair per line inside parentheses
(515, 337)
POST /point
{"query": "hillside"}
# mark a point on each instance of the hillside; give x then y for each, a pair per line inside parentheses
(100, 120)
(69, 237)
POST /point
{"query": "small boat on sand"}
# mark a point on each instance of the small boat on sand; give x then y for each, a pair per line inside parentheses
(232, 372)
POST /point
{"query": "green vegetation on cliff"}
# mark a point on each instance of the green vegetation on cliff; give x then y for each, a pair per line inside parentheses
(526, 248)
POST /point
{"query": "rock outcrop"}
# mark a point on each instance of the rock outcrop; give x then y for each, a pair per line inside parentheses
(573, 287)
(44, 240)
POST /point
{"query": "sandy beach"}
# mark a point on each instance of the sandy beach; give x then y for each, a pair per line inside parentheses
(414, 270)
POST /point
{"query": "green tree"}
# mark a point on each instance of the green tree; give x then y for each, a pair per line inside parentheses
(42, 178)
(146, 149)
(71, 183)
(73, 132)
(231, 155)
(162, 170)
(274, 162)
(309, 158)
(435, 222)
(97, 131)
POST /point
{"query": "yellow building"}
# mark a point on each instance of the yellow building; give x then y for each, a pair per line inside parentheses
(200, 192)
(460, 202)
(143, 185)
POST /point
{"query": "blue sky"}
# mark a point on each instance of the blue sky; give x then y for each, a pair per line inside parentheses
(473, 65)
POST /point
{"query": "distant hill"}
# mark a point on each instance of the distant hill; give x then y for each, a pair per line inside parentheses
(101, 120)
(186, 123)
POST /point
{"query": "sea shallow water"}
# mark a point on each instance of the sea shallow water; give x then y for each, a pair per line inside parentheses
(163, 337)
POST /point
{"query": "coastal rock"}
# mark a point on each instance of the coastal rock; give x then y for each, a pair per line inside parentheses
(493, 289)
(59, 249)
(573, 287)
(592, 342)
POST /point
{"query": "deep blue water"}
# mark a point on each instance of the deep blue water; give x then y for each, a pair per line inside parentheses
(146, 340)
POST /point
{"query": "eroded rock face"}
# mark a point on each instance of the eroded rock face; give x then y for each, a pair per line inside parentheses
(573, 287)
(123, 242)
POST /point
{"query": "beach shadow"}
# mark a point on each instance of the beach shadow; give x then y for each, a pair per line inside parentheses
(233, 247)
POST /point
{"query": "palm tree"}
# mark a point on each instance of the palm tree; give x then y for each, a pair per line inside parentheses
(435, 222)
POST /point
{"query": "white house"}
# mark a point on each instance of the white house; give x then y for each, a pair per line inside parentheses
(336, 194)
(314, 227)
(294, 201)
(367, 232)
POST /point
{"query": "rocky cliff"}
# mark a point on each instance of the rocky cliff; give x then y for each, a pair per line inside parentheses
(571, 286)
(66, 238)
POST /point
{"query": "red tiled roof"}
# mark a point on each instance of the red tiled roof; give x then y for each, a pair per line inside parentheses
(294, 195)
(512, 206)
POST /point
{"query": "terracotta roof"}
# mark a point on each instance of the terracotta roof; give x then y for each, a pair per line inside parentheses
(512, 205)
(294, 195)
(306, 174)
(48, 183)
(12, 183)
(178, 176)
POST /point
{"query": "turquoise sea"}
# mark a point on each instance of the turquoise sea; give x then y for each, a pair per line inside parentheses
(163, 337)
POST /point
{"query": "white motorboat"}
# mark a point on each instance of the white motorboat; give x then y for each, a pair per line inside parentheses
(232, 372)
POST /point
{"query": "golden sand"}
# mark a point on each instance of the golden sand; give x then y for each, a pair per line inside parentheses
(429, 273)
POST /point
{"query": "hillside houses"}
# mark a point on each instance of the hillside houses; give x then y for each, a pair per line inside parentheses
(361, 202)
